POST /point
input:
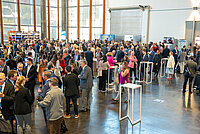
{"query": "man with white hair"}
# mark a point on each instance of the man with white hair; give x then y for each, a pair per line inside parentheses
(55, 104)
(86, 83)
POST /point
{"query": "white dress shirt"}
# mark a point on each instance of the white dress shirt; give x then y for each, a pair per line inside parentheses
(28, 69)
(3, 86)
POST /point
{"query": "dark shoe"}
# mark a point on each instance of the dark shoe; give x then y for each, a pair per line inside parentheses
(82, 111)
(126, 101)
(184, 92)
(115, 100)
(190, 92)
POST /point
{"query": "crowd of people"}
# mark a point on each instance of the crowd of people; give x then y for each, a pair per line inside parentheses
(63, 73)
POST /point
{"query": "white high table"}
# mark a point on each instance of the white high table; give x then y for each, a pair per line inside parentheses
(163, 67)
(146, 66)
(108, 85)
(133, 87)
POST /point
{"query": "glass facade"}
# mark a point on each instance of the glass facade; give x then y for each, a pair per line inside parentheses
(9, 14)
(72, 19)
(10, 17)
(84, 19)
(97, 21)
(26, 15)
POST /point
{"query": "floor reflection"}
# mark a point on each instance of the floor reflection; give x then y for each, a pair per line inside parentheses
(176, 114)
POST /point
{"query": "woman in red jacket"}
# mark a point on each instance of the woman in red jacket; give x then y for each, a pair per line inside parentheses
(62, 64)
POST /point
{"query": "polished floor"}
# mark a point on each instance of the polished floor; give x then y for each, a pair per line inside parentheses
(165, 110)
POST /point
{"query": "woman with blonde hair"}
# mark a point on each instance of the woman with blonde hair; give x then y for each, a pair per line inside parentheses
(170, 66)
(22, 106)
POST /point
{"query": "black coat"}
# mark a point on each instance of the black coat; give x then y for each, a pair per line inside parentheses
(23, 101)
(89, 56)
(71, 83)
(31, 75)
(12, 64)
(165, 52)
(104, 50)
(120, 55)
(8, 101)
(157, 59)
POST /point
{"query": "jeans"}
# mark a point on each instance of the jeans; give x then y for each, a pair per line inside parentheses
(85, 99)
(187, 77)
(45, 115)
(27, 120)
(74, 100)
(199, 88)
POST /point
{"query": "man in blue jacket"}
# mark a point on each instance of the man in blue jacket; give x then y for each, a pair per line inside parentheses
(175, 54)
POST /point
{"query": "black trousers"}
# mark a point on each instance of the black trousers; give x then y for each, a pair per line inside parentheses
(31, 87)
(74, 100)
(102, 80)
(132, 70)
(187, 77)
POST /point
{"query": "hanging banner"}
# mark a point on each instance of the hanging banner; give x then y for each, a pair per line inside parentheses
(107, 36)
(63, 35)
(128, 37)
(197, 40)
(182, 43)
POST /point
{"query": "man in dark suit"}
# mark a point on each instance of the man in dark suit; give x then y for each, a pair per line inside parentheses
(86, 83)
(20, 68)
(143, 66)
(165, 53)
(11, 63)
(113, 47)
(151, 54)
(68, 57)
(7, 94)
(104, 49)
(120, 54)
(12, 77)
(176, 54)
(89, 58)
(30, 73)
(145, 56)
(4, 68)
(71, 91)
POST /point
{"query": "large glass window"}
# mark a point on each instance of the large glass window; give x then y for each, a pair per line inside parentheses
(84, 19)
(26, 1)
(38, 16)
(54, 19)
(97, 2)
(97, 20)
(26, 15)
(84, 2)
(9, 14)
(72, 19)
